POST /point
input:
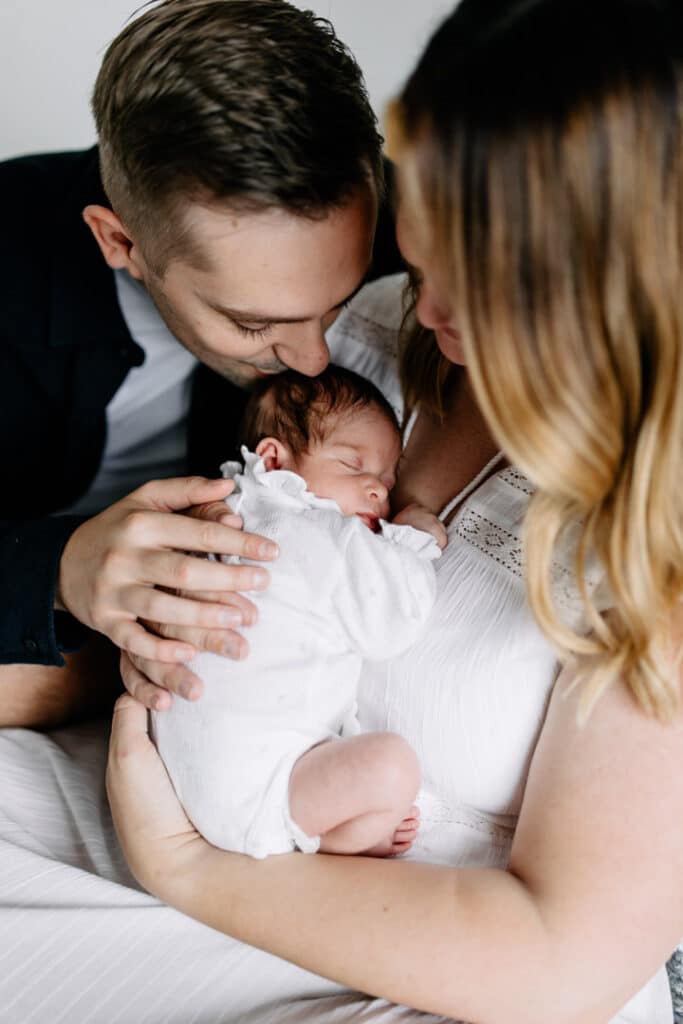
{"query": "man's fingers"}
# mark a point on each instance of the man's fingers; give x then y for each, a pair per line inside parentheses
(183, 533)
(217, 512)
(115, 567)
(180, 611)
(245, 608)
(226, 643)
(153, 682)
(183, 572)
(180, 493)
(187, 534)
(132, 637)
(152, 697)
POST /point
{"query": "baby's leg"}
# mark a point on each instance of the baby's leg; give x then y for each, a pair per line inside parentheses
(354, 792)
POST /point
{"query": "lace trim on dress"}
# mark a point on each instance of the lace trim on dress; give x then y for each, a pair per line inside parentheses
(499, 544)
(505, 547)
(515, 479)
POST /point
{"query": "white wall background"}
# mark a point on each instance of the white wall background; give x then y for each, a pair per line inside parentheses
(50, 52)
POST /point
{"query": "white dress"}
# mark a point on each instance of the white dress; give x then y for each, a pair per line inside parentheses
(338, 593)
(470, 697)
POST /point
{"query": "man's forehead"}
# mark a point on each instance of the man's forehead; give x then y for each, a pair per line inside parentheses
(213, 225)
(271, 266)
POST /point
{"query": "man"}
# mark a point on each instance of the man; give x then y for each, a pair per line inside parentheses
(226, 218)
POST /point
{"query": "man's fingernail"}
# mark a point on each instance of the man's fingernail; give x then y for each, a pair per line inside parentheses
(187, 690)
(268, 550)
(258, 580)
(229, 619)
(184, 653)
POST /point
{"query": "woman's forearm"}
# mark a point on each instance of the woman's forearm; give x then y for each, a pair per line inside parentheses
(552, 939)
(462, 943)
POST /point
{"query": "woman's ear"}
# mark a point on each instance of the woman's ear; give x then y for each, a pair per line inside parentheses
(275, 454)
(117, 247)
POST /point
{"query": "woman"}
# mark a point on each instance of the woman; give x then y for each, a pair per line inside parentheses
(540, 147)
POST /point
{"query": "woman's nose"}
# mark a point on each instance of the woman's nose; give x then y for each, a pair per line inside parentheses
(430, 312)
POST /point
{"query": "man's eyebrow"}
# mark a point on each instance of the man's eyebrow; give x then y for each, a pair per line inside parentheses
(252, 317)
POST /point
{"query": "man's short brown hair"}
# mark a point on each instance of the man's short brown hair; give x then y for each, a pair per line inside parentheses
(251, 103)
(296, 409)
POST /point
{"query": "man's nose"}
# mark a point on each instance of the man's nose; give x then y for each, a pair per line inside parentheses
(307, 354)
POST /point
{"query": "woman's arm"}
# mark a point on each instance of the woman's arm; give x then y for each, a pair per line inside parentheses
(591, 906)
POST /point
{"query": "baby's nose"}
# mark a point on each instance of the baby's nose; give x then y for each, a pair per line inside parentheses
(379, 491)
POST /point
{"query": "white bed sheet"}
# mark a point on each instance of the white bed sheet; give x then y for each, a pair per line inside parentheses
(80, 943)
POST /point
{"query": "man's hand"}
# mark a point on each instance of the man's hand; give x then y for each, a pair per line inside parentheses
(130, 565)
(422, 519)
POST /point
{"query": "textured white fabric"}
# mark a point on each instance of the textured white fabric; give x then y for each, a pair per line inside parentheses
(339, 593)
(81, 945)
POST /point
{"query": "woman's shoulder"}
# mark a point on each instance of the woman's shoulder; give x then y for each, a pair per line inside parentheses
(365, 335)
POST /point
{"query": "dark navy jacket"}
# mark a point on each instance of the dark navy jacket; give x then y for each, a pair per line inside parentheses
(64, 352)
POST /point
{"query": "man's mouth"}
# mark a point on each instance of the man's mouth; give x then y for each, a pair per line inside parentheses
(262, 372)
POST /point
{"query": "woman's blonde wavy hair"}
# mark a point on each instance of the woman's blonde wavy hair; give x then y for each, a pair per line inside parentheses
(541, 144)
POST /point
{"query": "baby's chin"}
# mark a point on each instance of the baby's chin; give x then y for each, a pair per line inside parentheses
(372, 522)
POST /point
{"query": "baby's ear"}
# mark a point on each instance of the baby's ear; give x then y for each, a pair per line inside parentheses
(274, 453)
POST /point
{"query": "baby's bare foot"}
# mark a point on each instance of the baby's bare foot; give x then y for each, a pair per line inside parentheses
(402, 839)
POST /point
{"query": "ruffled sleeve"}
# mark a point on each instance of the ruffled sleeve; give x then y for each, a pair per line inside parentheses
(418, 541)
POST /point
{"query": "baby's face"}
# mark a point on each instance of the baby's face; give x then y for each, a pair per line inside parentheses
(355, 464)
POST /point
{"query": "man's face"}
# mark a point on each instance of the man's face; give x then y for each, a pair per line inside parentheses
(272, 284)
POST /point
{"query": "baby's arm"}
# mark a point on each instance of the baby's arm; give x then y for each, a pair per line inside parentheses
(420, 518)
(386, 588)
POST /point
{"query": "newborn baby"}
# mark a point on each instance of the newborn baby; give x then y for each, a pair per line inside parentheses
(270, 759)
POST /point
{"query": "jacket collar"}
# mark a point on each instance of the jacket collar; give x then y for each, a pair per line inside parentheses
(84, 309)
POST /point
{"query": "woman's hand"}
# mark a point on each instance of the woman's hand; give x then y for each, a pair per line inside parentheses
(158, 839)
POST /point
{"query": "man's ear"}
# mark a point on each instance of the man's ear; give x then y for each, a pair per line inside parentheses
(118, 249)
(275, 455)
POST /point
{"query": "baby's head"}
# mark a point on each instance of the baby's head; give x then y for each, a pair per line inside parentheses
(337, 431)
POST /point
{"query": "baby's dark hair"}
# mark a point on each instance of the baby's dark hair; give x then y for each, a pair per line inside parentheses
(295, 409)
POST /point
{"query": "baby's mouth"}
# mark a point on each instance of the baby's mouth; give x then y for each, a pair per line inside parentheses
(372, 522)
